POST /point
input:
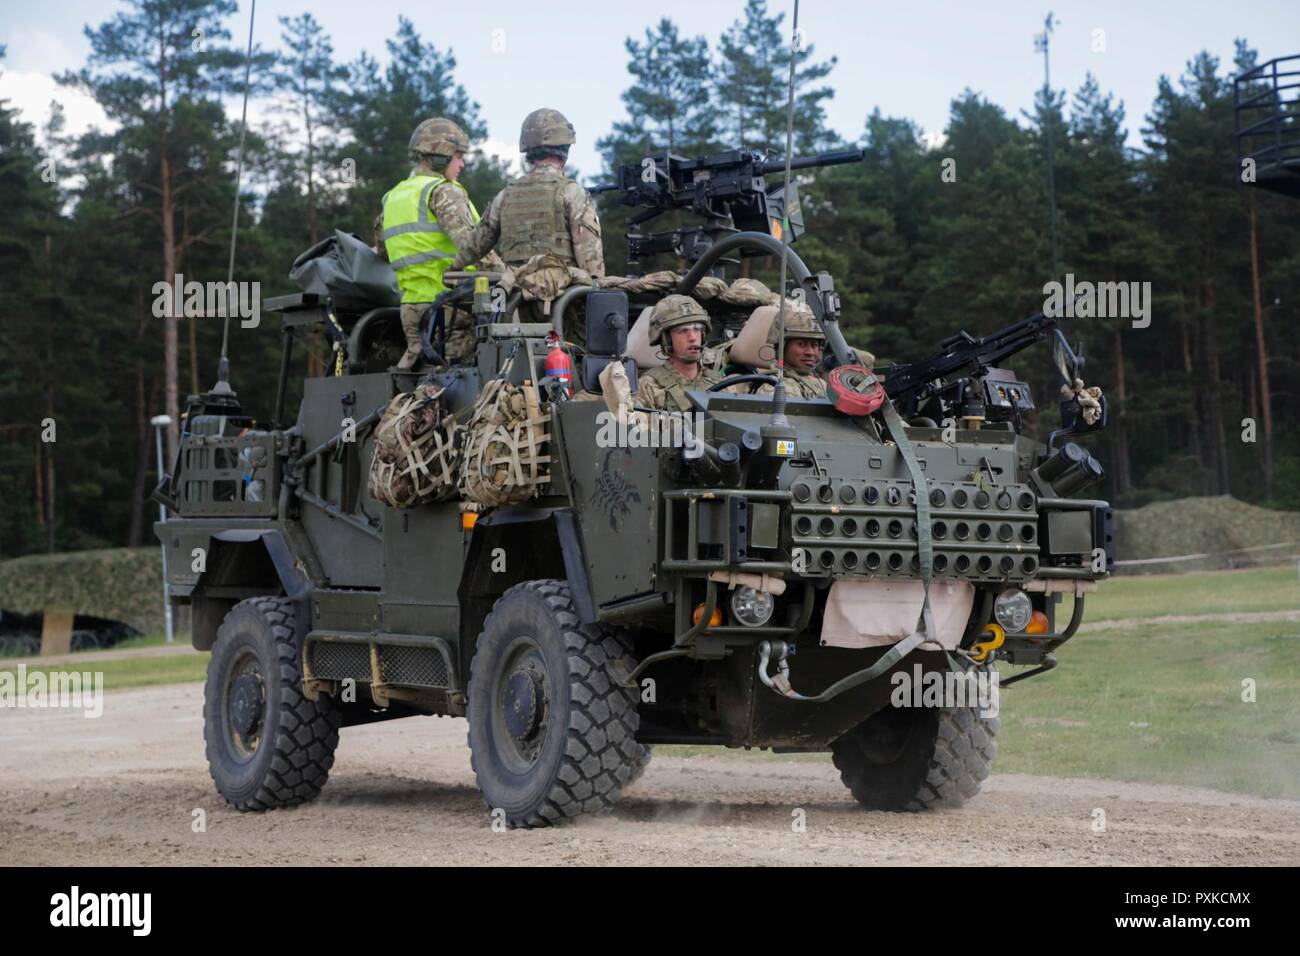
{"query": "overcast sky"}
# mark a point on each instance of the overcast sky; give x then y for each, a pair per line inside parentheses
(909, 59)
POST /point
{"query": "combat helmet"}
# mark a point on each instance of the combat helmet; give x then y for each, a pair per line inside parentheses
(800, 323)
(438, 137)
(545, 128)
(672, 311)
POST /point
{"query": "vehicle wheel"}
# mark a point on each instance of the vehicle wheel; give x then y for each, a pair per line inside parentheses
(917, 758)
(639, 764)
(551, 732)
(268, 746)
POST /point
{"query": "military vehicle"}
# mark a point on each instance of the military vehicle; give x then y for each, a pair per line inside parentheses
(761, 584)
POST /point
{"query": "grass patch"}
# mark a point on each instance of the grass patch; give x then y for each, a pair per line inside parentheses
(1202, 592)
(156, 639)
(135, 671)
(1164, 705)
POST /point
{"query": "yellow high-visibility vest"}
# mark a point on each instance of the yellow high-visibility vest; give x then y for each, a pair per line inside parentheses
(418, 249)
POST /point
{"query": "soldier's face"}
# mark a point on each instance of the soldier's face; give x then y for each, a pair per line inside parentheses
(687, 342)
(456, 165)
(802, 355)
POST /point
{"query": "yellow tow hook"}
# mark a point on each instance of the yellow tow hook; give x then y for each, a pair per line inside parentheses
(995, 638)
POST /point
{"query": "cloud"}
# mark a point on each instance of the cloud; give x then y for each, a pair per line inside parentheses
(933, 140)
(36, 51)
(31, 93)
(505, 152)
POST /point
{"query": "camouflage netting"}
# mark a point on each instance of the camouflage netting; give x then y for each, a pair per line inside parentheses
(504, 461)
(416, 455)
(121, 584)
(1212, 526)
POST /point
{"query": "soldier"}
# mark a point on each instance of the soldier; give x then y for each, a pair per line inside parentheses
(679, 325)
(426, 218)
(804, 340)
(545, 212)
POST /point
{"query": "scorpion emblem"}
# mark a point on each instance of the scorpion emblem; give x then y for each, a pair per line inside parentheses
(614, 492)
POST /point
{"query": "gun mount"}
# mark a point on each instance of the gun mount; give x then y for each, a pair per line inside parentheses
(728, 190)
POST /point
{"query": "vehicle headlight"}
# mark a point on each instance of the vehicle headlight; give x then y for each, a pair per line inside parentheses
(751, 607)
(1012, 610)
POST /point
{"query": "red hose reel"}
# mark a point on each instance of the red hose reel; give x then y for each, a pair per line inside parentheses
(855, 390)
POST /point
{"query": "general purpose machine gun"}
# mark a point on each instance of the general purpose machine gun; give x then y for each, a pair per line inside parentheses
(962, 380)
(727, 189)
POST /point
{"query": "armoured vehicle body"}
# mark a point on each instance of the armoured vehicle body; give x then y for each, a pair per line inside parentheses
(761, 587)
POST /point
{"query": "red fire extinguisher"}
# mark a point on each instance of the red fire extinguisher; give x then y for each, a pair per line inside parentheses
(558, 367)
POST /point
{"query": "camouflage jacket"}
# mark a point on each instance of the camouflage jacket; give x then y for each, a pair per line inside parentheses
(450, 205)
(665, 387)
(579, 214)
(798, 385)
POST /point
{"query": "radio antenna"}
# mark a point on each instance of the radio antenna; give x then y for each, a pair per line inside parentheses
(779, 391)
(223, 364)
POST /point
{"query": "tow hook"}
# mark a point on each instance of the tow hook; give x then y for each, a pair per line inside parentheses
(778, 651)
(993, 637)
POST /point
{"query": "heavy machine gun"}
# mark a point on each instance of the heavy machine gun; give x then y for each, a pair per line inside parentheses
(727, 189)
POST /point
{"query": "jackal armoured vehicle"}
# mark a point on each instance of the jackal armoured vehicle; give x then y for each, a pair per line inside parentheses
(765, 585)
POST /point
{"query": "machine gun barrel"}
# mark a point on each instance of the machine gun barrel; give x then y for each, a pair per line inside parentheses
(963, 353)
(836, 157)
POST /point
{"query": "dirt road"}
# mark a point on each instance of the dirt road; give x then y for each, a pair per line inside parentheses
(122, 790)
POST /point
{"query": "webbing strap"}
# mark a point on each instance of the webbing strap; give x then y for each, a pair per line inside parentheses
(924, 543)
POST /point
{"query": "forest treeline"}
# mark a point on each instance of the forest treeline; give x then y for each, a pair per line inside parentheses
(926, 237)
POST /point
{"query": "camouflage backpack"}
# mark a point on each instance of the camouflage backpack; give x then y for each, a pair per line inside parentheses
(507, 434)
(416, 450)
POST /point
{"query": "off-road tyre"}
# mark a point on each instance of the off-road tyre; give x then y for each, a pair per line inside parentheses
(552, 733)
(639, 764)
(286, 760)
(910, 759)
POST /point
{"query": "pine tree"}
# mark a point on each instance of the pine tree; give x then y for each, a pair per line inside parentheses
(306, 72)
(668, 103)
(753, 86)
(378, 111)
(155, 68)
(1202, 215)
(28, 332)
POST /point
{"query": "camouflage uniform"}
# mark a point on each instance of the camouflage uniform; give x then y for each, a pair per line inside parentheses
(798, 385)
(449, 203)
(543, 213)
(800, 323)
(665, 387)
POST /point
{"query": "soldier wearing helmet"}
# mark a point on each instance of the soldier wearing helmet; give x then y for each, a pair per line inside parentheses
(426, 218)
(804, 341)
(544, 212)
(679, 326)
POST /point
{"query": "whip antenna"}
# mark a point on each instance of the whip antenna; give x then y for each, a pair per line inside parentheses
(223, 365)
(779, 391)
